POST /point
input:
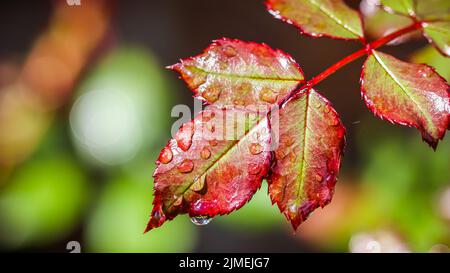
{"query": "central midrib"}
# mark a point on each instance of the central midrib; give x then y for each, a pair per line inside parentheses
(410, 96)
(252, 77)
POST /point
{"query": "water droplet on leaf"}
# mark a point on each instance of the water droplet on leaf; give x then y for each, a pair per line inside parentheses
(205, 153)
(213, 142)
(211, 127)
(186, 166)
(184, 136)
(268, 95)
(211, 94)
(201, 220)
(166, 155)
(199, 183)
(207, 116)
(255, 148)
(229, 51)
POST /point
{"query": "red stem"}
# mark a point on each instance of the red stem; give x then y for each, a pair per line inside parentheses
(368, 47)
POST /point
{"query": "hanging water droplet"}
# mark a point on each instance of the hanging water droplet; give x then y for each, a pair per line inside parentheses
(255, 148)
(205, 153)
(157, 218)
(201, 220)
(166, 155)
(186, 166)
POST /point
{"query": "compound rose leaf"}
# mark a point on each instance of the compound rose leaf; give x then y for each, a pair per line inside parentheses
(317, 18)
(438, 33)
(233, 72)
(212, 166)
(408, 94)
(308, 156)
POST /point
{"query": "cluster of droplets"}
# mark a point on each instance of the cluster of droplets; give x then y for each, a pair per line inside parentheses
(184, 142)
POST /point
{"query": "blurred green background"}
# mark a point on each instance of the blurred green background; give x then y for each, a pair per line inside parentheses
(85, 107)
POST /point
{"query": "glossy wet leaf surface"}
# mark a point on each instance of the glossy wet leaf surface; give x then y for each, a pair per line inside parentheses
(332, 18)
(408, 94)
(207, 172)
(233, 72)
(308, 156)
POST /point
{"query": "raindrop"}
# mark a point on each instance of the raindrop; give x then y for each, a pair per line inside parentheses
(425, 73)
(201, 220)
(333, 122)
(166, 155)
(207, 116)
(184, 136)
(213, 142)
(211, 127)
(223, 65)
(186, 166)
(199, 183)
(238, 102)
(205, 153)
(229, 51)
(211, 94)
(268, 96)
(255, 148)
